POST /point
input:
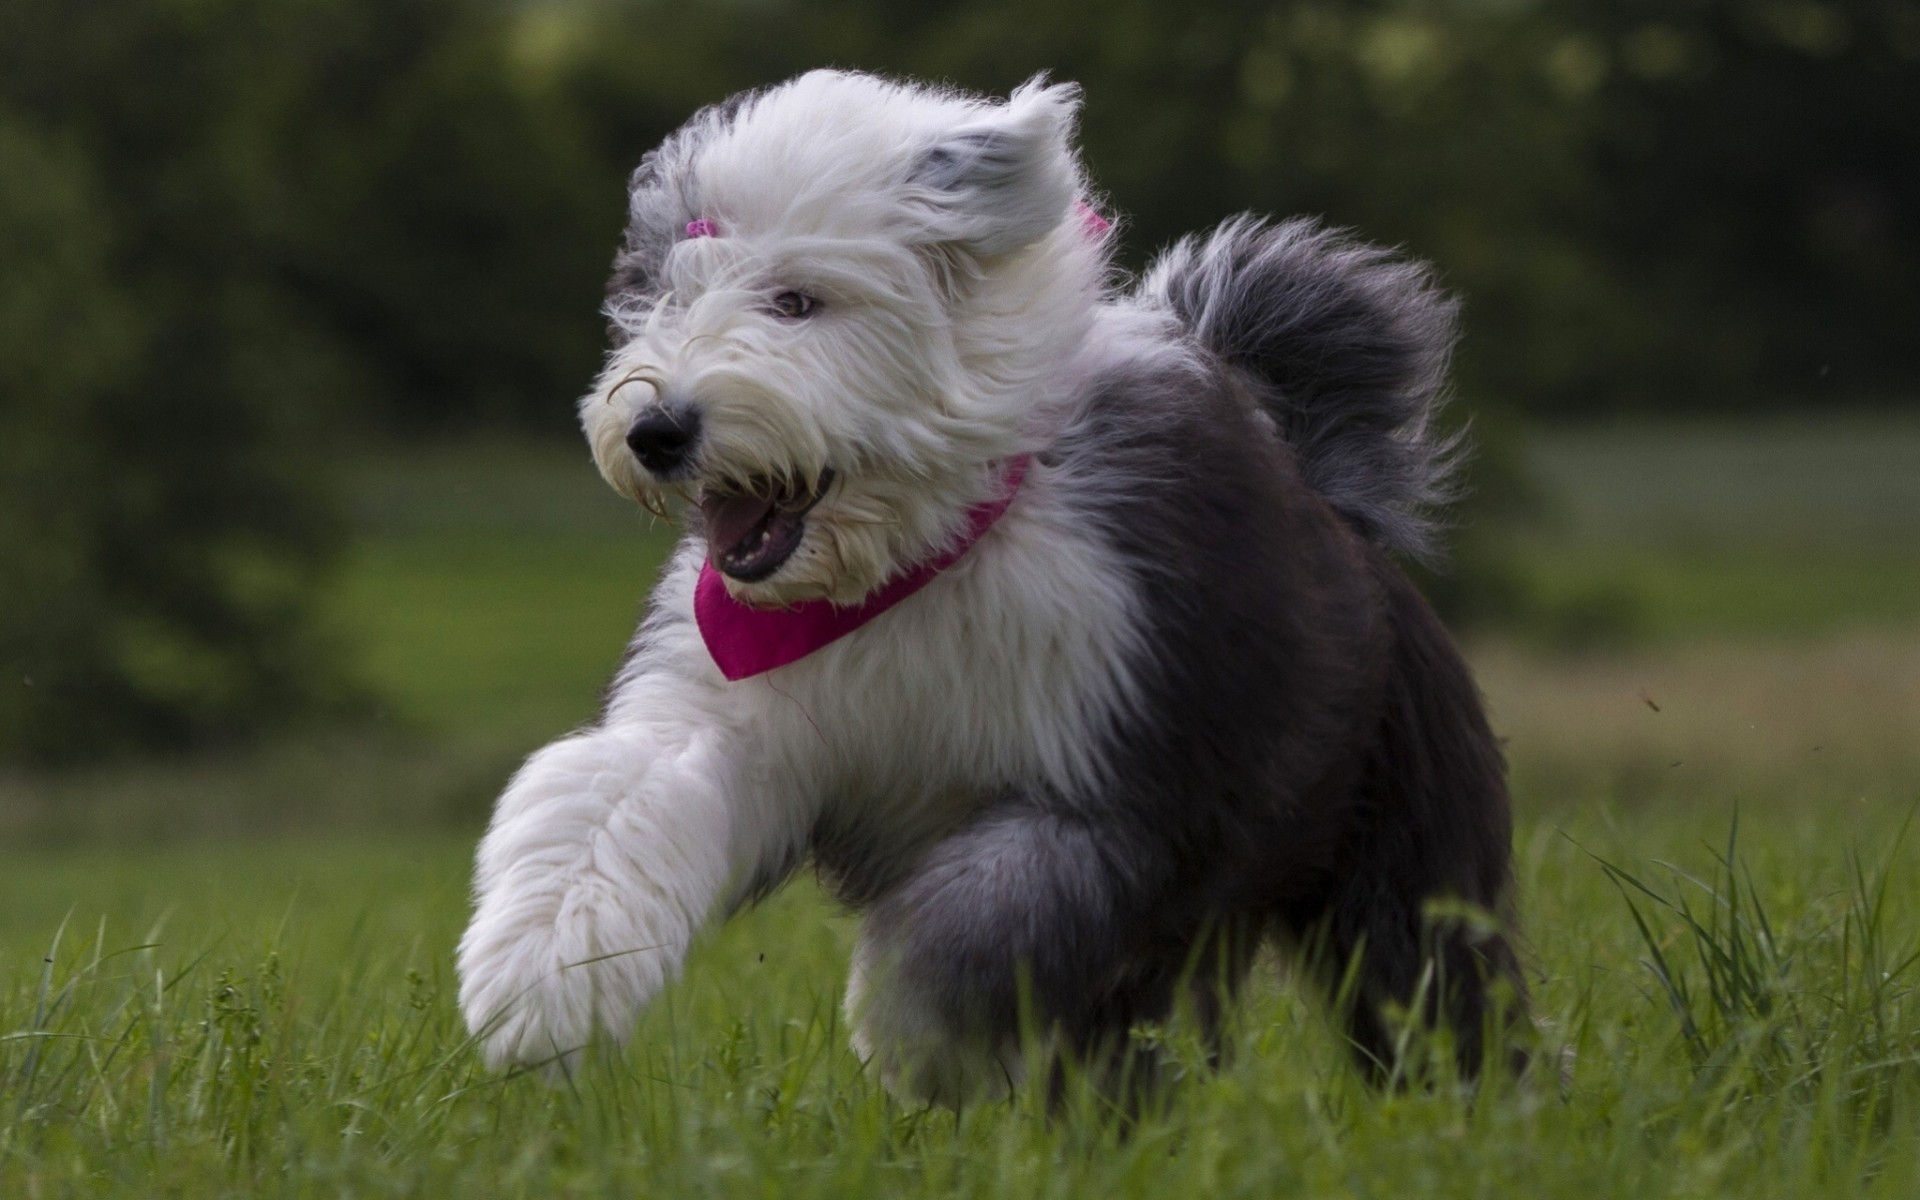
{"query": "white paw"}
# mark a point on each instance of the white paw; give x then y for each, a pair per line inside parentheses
(536, 991)
(589, 885)
(538, 979)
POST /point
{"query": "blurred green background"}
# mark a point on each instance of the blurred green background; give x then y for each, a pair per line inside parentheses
(296, 295)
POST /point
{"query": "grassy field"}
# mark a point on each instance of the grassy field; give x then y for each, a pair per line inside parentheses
(232, 976)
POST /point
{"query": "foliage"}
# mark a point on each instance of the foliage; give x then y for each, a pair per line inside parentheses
(1645, 204)
(160, 547)
(412, 229)
(1757, 193)
(224, 233)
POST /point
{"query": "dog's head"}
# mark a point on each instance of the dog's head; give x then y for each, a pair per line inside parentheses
(840, 304)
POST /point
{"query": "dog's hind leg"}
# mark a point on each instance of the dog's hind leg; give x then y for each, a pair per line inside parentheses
(1419, 919)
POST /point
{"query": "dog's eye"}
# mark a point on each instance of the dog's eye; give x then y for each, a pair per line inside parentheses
(792, 305)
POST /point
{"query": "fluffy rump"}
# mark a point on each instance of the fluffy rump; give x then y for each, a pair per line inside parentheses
(1349, 344)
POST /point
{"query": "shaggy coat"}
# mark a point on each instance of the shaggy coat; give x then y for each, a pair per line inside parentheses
(1178, 701)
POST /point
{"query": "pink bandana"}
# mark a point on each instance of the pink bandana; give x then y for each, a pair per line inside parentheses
(746, 641)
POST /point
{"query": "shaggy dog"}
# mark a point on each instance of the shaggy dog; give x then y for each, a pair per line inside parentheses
(1058, 627)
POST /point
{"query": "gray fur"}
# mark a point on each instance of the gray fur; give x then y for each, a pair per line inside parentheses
(1003, 182)
(1027, 886)
(1309, 760)
(1350, 345)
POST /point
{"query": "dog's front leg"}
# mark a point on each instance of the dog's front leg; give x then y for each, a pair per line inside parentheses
(605, 855)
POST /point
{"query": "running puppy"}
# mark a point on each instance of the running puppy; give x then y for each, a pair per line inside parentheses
(1058, 627)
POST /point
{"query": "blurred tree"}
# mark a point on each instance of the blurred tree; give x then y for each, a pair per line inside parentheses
(160, 523)
(1687, 202)
(423, 232)
(449, 225)
(1757, 179)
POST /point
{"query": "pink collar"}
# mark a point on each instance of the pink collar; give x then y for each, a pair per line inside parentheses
(747, 641)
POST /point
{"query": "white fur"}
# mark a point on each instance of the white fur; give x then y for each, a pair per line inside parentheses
(619, 841)
(944, 317)
(956, 330)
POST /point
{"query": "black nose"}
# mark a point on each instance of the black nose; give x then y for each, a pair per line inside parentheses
(662, 439)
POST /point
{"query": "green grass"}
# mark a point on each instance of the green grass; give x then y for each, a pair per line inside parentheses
(279, 1022)
(498, 585)
(1784, 526)
(1842, 481)
(232, 976)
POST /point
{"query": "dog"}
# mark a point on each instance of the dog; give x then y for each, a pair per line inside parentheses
(1057, 624)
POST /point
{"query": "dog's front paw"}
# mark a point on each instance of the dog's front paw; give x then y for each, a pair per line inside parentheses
(521, 1011)
(535, 989)
(589, 886)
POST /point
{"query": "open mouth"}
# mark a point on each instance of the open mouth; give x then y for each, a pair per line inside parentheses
(754, 528)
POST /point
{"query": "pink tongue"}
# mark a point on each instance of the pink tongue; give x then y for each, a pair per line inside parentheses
(730, 519)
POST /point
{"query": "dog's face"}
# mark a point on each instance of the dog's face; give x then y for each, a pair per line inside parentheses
(836, 303)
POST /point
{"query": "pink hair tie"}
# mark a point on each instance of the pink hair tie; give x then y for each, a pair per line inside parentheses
(1095, 224)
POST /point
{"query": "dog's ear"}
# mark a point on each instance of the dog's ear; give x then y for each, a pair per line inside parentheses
(1008, 178)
